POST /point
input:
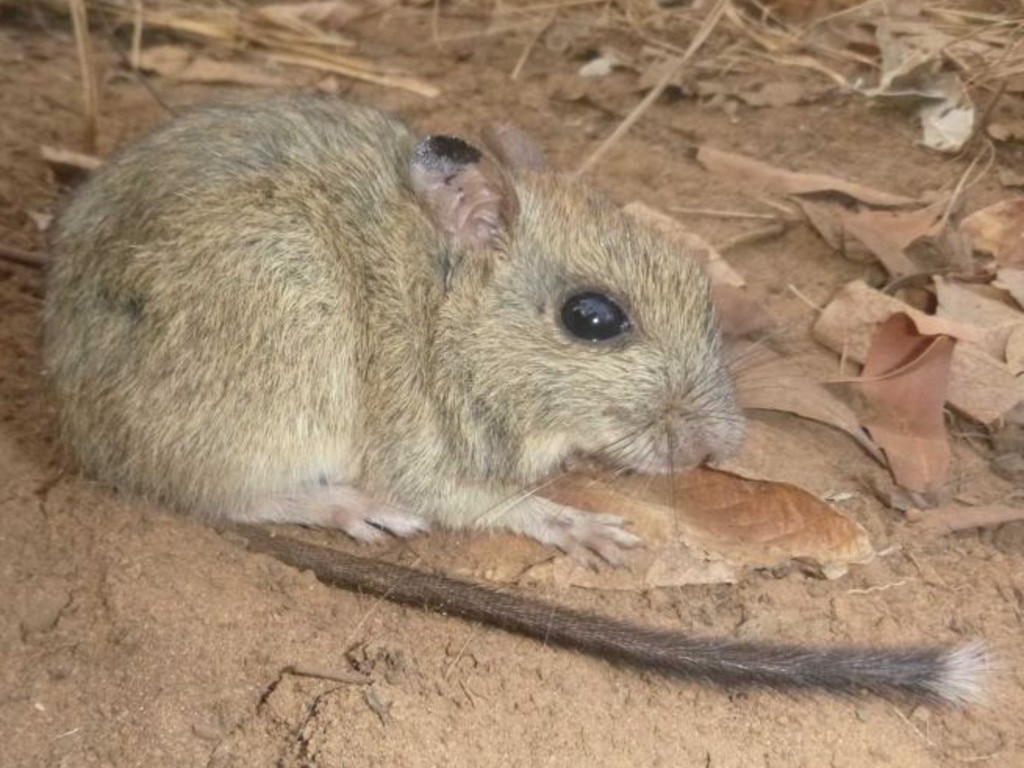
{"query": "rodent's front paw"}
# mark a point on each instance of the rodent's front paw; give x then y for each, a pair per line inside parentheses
(589, 537)
(587, 534)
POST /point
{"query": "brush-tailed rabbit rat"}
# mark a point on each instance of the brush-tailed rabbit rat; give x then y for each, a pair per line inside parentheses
(295, 311)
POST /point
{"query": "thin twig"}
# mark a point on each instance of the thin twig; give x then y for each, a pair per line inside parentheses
(24, 258)
(717, 213)
(137, 25)
(517, 70)
(671, 73)
(778, 229)
(90, 87)
(805, 299)
(949, 519)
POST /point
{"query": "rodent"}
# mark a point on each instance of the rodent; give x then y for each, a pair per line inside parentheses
(293, 310)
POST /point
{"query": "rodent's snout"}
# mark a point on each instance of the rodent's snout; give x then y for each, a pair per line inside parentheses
(682, 442)
(693, 442)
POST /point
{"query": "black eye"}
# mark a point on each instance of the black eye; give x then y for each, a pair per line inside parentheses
(592, 316)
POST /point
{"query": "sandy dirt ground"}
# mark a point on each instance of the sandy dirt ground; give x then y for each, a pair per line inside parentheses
(133, 637)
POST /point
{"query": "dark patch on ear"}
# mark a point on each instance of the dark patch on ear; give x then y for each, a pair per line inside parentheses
(464, 191)
(440, 152)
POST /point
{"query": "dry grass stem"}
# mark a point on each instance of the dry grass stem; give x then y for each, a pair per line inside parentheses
(25, 258)
(528, 48)
(358, 69)
(671, 73)
(768, 232)
(137, 25)
(87, 68)
(715, 213)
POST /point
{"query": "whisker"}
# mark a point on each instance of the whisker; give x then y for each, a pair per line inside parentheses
(494, 513)
(671, 446)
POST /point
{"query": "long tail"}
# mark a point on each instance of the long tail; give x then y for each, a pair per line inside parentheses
(924, 673)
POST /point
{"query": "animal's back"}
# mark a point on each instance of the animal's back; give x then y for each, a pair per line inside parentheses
(201, 317)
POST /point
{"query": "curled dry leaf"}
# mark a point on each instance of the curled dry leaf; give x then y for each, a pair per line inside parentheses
(885, 234)
(726, 522)
(981, 385)
(754, 173)
(998, 230)
(848, 323)
(767, 381)
(904, 382)
(911, 67)
(947, 123)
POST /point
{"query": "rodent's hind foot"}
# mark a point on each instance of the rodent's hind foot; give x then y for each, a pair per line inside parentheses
(341, 507)
(589, 537)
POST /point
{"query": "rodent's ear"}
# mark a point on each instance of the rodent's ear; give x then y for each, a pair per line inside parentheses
(513, 147)
(466, 194)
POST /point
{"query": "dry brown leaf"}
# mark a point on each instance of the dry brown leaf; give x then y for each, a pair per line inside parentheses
(847, 323)
(739, 315)
(1009, 130)
(959, 303)
(998, 230)
(1015, 351)
(768, 381)
(904, 381)
(743, 523)
(754, 173)
(884, 234)
(774, 94)
(943, 520)
(1009, 178)
(981, 386)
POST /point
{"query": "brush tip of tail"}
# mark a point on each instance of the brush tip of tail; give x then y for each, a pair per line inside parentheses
(960, 679)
